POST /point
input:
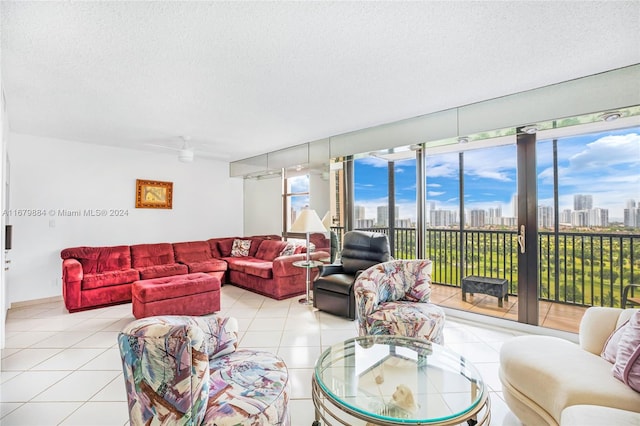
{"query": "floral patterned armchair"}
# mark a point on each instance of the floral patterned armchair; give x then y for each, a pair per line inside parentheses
(182, 370)
(393, 298)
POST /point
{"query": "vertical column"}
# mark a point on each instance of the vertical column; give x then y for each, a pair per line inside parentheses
(527, 229)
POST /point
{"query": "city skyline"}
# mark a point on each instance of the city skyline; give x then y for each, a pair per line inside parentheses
(603, 165)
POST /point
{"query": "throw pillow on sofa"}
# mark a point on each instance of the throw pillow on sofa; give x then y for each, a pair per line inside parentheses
(224, 246)
(627, 366)
(270, 249)
(611, 345)
(240, 248)
(288, 250)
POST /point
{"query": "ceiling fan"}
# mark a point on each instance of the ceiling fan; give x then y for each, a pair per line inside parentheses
(186, 153)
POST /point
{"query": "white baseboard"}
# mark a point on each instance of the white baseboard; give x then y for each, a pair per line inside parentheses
(26, 303)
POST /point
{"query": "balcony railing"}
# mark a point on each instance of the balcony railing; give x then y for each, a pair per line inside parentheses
(585, 269)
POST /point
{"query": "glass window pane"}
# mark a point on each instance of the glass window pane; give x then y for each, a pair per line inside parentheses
(490, 188)
(371, 193)
(296, 198)
(442, 214)
(405, 201)
(298, 184)
(443, 193)
(592, 255)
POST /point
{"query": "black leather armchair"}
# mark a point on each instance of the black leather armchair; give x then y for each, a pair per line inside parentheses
(333, 290)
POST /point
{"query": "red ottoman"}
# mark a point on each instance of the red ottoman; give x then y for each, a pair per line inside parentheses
(190, 294)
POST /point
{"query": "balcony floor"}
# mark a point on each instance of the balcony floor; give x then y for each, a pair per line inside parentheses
(557, 316)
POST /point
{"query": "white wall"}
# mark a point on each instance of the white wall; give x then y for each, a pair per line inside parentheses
(4, 141)
(53, 175)
(263, 203)
(319, 194)
(263, 206)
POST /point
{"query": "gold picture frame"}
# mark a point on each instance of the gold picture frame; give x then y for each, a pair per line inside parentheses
(154, 194)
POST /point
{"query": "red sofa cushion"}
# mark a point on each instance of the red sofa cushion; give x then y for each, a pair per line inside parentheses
(192, 251)
(143, 255)
(157, 271)
(171, 287)
(109, 278)
(212, 265)
(224, 246)
(257, 239)
(197, 256)
(96, 260)
(270, 249)
(251, 266)
(255, 243)
(320, 241)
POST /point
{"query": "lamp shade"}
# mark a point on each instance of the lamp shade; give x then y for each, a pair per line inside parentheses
(308, 221)
(326, 220)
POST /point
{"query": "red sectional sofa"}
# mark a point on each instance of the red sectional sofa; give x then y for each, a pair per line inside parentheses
(156, 261)
(264, 270)
(100, 276)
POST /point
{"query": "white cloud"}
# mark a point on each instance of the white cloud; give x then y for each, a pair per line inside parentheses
(443, 170)
(373, 161)
(608, 152)
(491, 163)
(490, 174)
(546, 176)
(435, 193)
(410, 187)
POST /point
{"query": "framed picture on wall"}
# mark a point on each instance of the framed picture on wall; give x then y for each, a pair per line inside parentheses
(154, 194)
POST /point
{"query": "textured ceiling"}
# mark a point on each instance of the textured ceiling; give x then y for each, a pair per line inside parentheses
(246, 78)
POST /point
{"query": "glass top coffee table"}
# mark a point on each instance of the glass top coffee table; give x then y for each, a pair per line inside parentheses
(394, 380)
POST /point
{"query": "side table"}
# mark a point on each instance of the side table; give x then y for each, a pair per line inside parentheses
(308, 265)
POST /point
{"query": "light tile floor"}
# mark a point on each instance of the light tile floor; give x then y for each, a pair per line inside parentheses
(65, 369)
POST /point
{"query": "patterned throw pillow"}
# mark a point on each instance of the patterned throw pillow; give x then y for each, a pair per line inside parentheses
(288, 250)
(240, 248)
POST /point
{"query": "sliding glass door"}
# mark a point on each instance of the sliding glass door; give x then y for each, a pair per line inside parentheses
(471, 207)
(552, 210)
(589, 233)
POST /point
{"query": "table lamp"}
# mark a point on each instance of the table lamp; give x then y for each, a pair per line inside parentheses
(326, 220)
(306, 223)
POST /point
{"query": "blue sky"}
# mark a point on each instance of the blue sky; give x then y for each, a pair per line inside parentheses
(605, 165)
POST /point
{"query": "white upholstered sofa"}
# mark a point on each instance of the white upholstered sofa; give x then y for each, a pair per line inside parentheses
(549, 380)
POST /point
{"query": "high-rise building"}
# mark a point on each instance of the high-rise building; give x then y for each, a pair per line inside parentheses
(442, 218)
(580, 218)
(495, 216)
(383, 215)
(565, 216)
(631, 214)
(477, 218)
(582, 202)
(545, 217)
(404, 223)
(364, 223)
(599, 217)
(359, 212)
